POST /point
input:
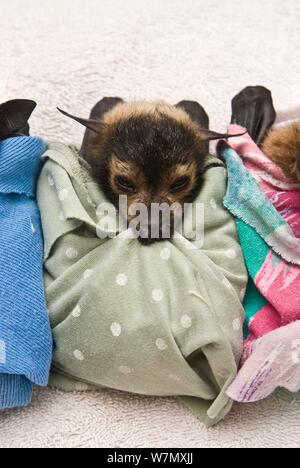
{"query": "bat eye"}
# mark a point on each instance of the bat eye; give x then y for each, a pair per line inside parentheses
(125, 184)
(180, 184)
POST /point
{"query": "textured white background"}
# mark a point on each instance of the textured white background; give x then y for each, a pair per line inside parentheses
(73, 52)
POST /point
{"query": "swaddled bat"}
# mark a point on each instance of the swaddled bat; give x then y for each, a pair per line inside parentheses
(150, 152)
(253, 109)
(14, 116)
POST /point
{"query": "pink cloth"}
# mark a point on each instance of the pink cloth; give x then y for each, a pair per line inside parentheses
(279, 278)
(274, 361)
(283, 192)
(272, 352)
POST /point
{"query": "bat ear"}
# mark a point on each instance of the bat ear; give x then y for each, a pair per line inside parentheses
(94, 125)
(253, 109)
(209, 135)
(14, 116)
(196, 112)
(105, 105)
(97, 113)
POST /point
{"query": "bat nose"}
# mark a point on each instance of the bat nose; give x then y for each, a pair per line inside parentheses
(156, 223)
(155, 231)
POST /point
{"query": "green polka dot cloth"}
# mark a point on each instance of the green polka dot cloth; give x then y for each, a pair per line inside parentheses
(162, 320)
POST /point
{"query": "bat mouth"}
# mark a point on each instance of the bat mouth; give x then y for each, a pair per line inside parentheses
(155, 224)
(151, 241)
(153, 233)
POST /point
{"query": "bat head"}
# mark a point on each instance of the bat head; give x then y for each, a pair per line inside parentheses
(154, 153)
(14, 116)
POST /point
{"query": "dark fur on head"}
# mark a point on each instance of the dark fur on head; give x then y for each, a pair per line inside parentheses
(151, 152)
(153, 146)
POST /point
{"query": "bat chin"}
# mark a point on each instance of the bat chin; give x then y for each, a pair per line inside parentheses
(147, 237)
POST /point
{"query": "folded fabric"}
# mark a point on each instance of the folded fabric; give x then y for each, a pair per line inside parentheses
(162, 320)
(25, 334)
(267, 208)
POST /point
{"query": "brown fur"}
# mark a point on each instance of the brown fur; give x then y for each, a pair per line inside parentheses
(154, 153)
(179, 170)
(132, 171)
(283, 147)
(125, 110)
(143, 193)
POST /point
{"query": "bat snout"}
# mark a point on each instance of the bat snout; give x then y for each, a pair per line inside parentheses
(154, 220)
(156, 229)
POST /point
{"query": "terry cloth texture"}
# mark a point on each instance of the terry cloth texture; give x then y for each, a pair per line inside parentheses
(25, 335)
(164, 319)
(267, 207)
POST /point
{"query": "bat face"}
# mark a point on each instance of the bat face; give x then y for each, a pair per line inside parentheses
(152, 153)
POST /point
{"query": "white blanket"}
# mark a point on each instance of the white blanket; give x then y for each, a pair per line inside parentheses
(72, 53)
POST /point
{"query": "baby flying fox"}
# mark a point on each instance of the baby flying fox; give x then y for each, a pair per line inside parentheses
(253, 109)
(150, 152)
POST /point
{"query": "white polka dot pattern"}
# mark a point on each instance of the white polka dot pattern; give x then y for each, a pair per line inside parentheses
(76, 312)
(51, 181)
(63, 194)
(213, 204)
(116, 329)
(121, 279)
(72, 253)
(87, 274)
(165, 253)
(237, 324)
(161, 344)
(186, 321)
(231, 253)
(157, 295)
(78, 355)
